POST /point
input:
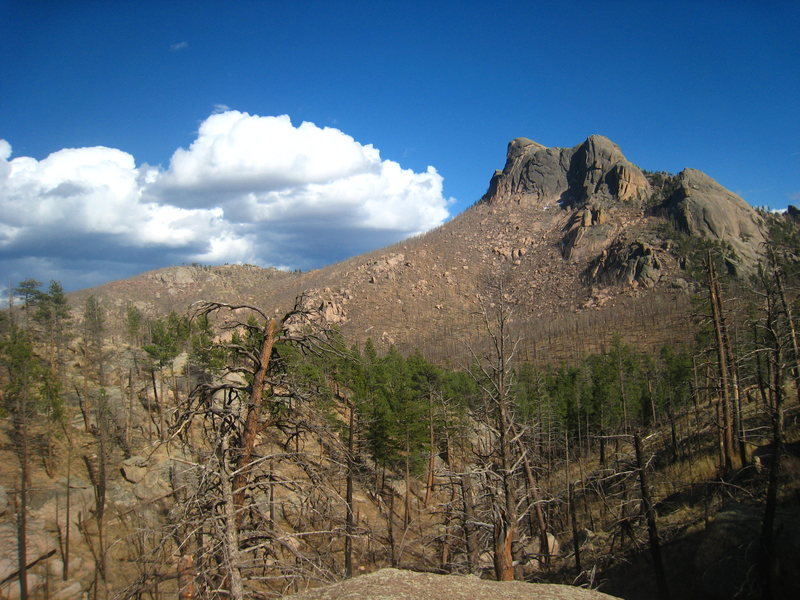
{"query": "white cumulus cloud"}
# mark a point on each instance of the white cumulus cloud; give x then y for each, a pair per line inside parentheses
(235, 150)
(248, 189)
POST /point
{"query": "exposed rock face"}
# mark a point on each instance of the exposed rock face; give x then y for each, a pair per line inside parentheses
(588, 233)
(595, 180)
(702, 207)
(599, 169)
(318, 310)
(39, 545)
(593, 170)
(134, 468)
(636, 263)
(396, 584)
(45, 504)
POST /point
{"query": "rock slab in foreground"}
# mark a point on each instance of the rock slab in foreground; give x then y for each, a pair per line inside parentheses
(396, 584)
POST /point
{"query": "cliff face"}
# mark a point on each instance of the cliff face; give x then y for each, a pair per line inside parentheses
(595, 170)
(701, 207)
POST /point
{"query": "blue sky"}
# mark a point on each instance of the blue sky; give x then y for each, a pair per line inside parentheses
(97, 99)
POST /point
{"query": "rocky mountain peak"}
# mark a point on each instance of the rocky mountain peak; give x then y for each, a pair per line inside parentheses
(605, 209)
(518, 146)
(701, 207)
(595, 170)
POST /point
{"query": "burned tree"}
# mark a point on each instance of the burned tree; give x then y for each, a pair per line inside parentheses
(493, 373)
(227, 435)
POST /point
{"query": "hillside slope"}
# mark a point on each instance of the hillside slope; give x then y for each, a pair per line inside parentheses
(579, 236)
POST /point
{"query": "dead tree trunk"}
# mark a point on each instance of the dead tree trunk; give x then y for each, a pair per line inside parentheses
(65, 556)
(767, 554)
(432, 453)
(22, 509)
(506, 530)
(787, 311)
(574, 522)
(503, 540)
(536, 502)
(495, 377)
(470, 535)
(231, 533)
(252, 425)
(722, 362)
(349, 525)
(186, 574)
(736, 396)
(650, 516)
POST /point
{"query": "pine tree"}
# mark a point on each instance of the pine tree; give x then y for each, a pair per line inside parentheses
(30, 389)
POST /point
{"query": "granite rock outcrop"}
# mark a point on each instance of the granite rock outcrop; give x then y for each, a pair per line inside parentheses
(398, 584)
(593, 170)
(701, 207)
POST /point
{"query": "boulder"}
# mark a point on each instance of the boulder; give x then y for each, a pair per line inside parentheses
(320, 309)
(635, 263)
(153, 485)
(10, 590)
(69, 592)
(397, 584)
(50, 504)
(134, 468)
(39, 544)
(532, 554)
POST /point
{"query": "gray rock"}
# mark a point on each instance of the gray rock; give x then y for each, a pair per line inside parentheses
(532, 173)
(10, 591)
(122, 496)
(598, 169)
(134, 468)
(593, 170)
(532, 554)
(50, 504)
(38, 544)
(681, 284)
(702, 207)
(634, 263)
(152, 486)
(396, 584)
(70, 591)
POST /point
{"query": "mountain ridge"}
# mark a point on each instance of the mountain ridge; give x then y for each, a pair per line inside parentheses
(571, 230)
